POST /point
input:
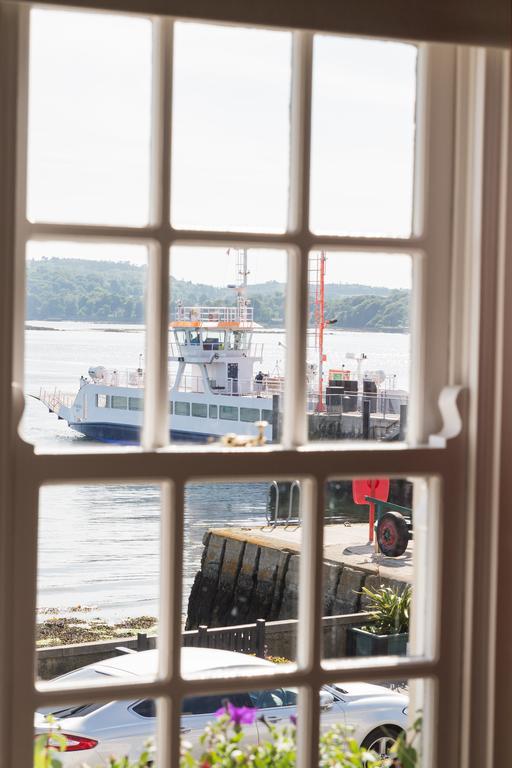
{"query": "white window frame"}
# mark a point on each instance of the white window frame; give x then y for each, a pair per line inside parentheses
(440, 166)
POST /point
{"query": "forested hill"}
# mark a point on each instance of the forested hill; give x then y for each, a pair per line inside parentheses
(112, 292)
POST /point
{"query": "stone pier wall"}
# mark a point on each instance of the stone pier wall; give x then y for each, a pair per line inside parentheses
(242, 580)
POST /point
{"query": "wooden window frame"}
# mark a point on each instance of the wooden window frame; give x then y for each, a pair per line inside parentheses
(450, 157)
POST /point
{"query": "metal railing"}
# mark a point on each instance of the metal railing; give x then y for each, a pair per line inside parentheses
(55, 398)
(238, 314)
(274, 519)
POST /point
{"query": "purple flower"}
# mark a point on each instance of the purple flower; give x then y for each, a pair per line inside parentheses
(293, 719)
(238, 715)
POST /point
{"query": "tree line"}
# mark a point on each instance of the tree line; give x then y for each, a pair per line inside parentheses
(113, 292)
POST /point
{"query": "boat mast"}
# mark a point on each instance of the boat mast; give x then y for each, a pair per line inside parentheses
(317, 268)
(321, 328)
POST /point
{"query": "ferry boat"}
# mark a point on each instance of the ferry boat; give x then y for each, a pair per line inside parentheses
(217, 385)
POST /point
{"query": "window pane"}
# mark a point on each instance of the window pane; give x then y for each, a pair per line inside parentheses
(249, 414)
(227, 341)
(359, 346)
(84, 343)
(234, 574)
(229, 413)
(89, 118)
(181, 409)
(86, 733)
(199, 409)
(98, 574)
(231, 128)
(363, 124)
(119, 402)
(380, 560)
(352, 722)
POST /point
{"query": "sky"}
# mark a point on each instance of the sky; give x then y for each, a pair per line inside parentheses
(89, 139)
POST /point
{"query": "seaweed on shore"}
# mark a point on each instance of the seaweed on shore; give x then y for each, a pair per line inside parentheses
(60, 630)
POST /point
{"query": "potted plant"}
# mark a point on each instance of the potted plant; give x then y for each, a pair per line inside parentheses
(388, 631)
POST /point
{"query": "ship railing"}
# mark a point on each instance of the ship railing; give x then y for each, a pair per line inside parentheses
(385, 404)
(118, 378)
(53, 399)
(214, 315)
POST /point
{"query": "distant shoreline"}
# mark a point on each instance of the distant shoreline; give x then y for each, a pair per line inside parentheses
(268, 329)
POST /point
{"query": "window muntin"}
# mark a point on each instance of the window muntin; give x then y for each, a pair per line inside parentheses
(135, 404)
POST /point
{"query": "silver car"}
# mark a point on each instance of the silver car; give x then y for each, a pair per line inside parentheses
(94, 732)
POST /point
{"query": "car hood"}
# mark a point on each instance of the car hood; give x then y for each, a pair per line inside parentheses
(354, 691)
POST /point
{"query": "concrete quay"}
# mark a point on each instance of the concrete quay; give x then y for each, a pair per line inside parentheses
(251, 573)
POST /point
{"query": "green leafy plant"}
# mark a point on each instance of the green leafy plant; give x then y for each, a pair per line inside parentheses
(390, 610)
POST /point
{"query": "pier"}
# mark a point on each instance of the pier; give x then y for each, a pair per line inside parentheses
(253, 573)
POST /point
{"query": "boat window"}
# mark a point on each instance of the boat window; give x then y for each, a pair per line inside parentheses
(200, 409)
(249, 414)
(119, 401)
(170, 406)
(102, 401)
(181, 408)
(267, 415)
(213, 412)
(135, 404)
(229, 413)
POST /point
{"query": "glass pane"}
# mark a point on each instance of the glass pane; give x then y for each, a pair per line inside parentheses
(231, 128)
(359, 346)
(89, 118)
(241, 571)
(98, 575)
(363, 126)
(379, 541)
(380, 718)
(84, 344)
(227, 342)
(100, 734)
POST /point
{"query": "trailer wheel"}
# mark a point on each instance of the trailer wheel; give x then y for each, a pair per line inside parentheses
(392, 534)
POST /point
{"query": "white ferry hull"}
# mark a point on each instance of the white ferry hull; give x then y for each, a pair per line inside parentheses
(97, 414)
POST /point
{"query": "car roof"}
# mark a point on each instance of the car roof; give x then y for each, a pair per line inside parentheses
(193, 661)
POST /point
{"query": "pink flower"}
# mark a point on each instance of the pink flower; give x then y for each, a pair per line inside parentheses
(238, 715)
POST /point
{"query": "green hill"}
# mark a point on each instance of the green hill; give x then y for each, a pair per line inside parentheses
(112, 292)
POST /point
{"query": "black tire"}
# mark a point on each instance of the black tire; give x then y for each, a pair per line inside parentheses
(381, 739)
(392, 534)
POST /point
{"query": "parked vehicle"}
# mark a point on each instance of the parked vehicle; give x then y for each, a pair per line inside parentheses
(97, 731)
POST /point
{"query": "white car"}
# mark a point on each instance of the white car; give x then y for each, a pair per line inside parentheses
(94, 732)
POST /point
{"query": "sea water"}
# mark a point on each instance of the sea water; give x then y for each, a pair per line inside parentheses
(99, 545)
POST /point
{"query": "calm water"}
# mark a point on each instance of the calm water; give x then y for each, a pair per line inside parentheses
(99, 545)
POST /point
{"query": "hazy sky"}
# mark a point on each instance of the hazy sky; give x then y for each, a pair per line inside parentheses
(89, 141)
